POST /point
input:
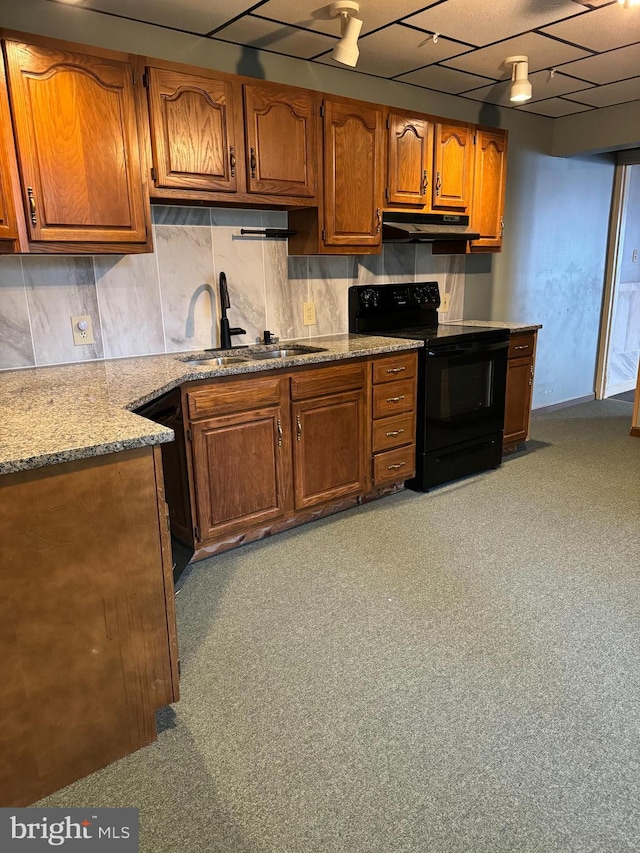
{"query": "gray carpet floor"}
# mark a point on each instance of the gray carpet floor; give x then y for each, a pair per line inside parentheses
(430, 673)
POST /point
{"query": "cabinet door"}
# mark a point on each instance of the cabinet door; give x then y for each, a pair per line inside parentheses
(329, 448)
(489, 187)
(280, 130)
(518, 399)
(353, 151)
(77, 140)
(409, 162)
(193, 136)
(8, 223)
(239, 470)
(453, 163)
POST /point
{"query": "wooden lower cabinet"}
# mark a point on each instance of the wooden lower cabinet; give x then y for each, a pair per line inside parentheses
(329, 448)
(240, 472)
(393, 414)
(520, 373)
(267, 453)
(87, 619)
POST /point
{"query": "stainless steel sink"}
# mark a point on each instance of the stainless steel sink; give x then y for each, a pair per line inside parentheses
(288, 352)
(215, 361)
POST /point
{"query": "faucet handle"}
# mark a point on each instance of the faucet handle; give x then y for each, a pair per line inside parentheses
(268, 337)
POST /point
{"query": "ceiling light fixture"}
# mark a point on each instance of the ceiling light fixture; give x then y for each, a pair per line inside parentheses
(346, 51)
(627, 4)
(521, 90)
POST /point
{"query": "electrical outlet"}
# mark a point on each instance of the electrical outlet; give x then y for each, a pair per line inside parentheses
(309, 313)
(445, 302)
(634, 256)
(82, 328)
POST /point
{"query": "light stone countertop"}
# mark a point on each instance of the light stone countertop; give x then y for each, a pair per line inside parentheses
(73, 411)
(499, 324)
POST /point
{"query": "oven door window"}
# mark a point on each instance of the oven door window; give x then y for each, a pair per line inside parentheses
(464, 394)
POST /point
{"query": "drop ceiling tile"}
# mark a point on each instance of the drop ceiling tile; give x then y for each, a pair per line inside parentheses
(314, 14)
(279, 38)
(194, 16)
(483, 23)
(543, 88)
(554, 108)
(612, 93)
(607, 67)
(398, 49)
(601, 29)
(442, 79)
(542, 52)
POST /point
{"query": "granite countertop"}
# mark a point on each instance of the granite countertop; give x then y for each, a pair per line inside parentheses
(499, 324)
(73, 411)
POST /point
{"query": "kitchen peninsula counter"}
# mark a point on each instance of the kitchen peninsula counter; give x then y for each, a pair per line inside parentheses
(64, 413)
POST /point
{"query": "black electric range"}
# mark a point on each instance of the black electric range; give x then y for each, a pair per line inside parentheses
(461, 378)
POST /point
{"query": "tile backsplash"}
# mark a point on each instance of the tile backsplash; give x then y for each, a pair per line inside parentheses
(168, 301)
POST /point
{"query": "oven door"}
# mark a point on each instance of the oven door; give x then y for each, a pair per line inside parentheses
(464, 392)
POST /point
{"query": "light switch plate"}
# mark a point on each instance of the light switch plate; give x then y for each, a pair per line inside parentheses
(309, 313)
(82, 328)
(445, 302)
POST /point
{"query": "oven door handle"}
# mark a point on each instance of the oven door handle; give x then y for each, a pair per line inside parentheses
(466, 349)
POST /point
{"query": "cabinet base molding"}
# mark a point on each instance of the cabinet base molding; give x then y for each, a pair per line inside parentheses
(231, 541)
(513, 447)
(635, 431)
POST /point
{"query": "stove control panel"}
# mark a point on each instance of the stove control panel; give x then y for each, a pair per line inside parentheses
(393, 306)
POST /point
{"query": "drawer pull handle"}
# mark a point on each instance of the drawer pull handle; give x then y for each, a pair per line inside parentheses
(232, 161)
(298, 429)
(396, 369)
(253, 162)
(395, 432)
(395, 467)
(425, 183)
(438, 183)
(279, 433)
(396, 399)
(522, 346)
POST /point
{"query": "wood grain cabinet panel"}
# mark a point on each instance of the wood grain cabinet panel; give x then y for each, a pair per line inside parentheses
(280, 131)
(329, 448)
(453, 163)
(520, 374)
(239, 470)
(353, 170)
(193, 132)
(78, 149)
(409, 162)
(8, 173)
(490, 173)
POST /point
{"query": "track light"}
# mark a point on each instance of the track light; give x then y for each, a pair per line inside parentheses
(521, 90)
(346, 51)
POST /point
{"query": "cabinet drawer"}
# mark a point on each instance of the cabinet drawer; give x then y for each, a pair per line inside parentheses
(235, 396)
(520, 345)
(399, 367)
(394, 465)
(391, 398)
(393, 432)
(327, 380)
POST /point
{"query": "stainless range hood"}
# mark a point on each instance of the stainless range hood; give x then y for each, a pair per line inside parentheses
(426, 227)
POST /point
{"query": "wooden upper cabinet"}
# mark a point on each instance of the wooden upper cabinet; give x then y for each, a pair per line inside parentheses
(353, 173)
(8, 218)
(409, 161)
(280, 131)
(489, 188)
(194, 139)
(453, 165)
(75, 125)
